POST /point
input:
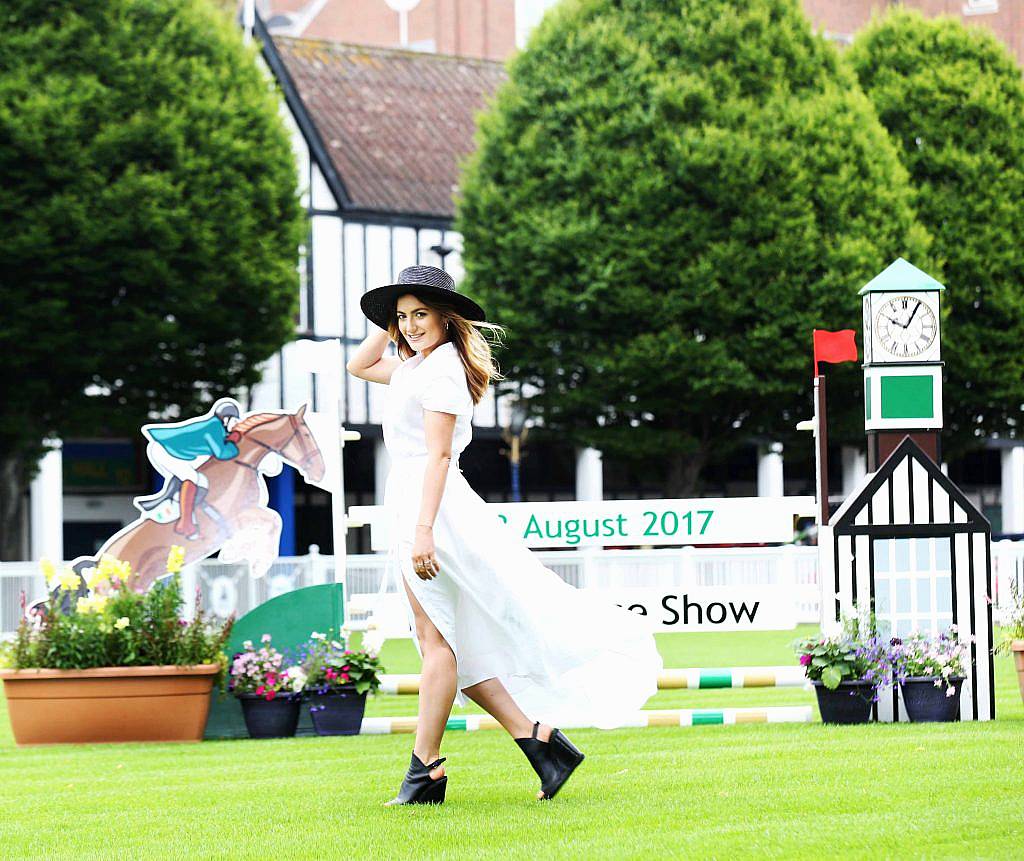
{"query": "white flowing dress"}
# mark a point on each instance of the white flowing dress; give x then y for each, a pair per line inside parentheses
(566, 656)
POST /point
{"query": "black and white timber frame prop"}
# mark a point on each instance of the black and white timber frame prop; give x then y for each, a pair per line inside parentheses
(910, 541)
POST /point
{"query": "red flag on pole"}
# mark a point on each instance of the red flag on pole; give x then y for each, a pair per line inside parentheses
(834, 347)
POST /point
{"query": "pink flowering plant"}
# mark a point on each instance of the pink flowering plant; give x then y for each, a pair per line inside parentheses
(854, 653)
(330, 665)
(941, 657)
(265, 672)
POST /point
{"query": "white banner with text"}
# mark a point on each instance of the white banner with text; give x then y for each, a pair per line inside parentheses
(633, 522)
(709, 608)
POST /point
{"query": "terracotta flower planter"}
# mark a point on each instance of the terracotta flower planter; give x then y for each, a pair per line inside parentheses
(1017, 647)
(109, 704)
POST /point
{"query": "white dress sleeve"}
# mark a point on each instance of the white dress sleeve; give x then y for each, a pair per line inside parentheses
(446, 391)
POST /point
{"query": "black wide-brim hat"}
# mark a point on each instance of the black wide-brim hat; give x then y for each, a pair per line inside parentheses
(425, 281)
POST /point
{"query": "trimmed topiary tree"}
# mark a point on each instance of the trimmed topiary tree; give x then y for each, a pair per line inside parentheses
(666, 198)
(952, 98)
(149, 222)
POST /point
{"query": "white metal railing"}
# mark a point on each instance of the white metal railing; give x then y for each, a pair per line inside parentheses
(18, 579)
(226, 588)
(1007, 571)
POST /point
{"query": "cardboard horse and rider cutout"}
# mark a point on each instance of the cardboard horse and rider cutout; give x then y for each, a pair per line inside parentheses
(214, 495)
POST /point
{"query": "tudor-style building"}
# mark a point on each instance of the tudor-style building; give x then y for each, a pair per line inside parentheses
(378, 135)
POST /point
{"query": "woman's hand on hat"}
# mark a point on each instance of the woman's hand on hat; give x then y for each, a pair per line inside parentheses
(424, 559)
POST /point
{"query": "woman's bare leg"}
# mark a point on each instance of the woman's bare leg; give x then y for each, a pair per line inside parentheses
(437, 687)
(493, 698)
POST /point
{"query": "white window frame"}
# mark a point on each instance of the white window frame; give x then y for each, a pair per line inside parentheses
(981, 7)
(931, 621)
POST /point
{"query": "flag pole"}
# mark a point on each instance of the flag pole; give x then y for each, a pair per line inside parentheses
(821, 451)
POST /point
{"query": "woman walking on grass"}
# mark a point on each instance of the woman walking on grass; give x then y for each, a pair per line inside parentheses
(491, 622)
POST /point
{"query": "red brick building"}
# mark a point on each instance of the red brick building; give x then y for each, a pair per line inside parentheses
(484, 29)
(492, 29)
(841, 19)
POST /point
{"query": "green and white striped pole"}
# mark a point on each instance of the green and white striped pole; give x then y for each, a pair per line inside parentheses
(644, 718)
(696, 678)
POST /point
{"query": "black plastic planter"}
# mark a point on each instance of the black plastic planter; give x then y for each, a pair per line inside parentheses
(276, 718)
(849, 703)
(926, 703)
(338, 712)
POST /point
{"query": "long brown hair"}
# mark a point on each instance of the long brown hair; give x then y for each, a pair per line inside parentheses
(474, 350)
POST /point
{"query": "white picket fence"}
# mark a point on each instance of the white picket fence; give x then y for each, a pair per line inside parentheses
(1007, 572)
(229, 588)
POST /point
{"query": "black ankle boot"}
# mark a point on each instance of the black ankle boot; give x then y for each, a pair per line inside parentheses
(553, 760)
(419, 787)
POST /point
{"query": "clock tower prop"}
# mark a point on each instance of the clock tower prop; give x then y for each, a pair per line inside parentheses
(907, 542)
(902, 367)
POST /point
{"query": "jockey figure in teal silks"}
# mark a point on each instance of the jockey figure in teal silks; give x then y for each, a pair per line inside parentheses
(182, 447)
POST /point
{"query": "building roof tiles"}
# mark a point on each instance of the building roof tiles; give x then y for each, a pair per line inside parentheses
(395, 123)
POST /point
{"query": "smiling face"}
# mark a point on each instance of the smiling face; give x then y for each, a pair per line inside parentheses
(421, 326)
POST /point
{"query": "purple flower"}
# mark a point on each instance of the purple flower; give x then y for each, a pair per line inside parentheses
(805, 660)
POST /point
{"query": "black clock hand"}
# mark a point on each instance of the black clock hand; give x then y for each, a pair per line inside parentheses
(912, 313)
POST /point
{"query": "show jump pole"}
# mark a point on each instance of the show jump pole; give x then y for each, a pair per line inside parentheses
(821, 448)
(832, 347)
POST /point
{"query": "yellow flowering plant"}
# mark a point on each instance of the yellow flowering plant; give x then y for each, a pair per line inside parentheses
(113, 625)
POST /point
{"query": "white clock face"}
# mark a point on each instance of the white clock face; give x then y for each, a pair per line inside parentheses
(905, 327)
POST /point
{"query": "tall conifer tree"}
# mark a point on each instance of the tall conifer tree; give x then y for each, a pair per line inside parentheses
(149, 222)
(667, 196)
(952, 98)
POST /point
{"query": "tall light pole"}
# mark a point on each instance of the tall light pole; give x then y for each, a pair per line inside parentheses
(515, 435)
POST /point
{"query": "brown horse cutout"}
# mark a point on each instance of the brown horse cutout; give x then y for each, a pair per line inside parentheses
(233, 517)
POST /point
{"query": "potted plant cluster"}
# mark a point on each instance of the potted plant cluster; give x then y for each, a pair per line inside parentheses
(846, 668)
(338, 682)
(270, 691)
(930, 671)
(333, 679)
(1013, 634)
(113, 665)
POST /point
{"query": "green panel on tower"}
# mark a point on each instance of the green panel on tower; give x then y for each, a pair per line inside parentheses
(907, 397)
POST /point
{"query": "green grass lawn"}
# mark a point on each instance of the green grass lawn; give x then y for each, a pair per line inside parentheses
(799, 790)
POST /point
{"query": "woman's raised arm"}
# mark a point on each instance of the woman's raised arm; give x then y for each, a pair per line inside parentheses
(368, 362)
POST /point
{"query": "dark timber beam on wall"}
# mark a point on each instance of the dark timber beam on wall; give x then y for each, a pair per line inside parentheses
(846, 525)
(909, 530)
(320, 155)
(387, 219)
(420, 220)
